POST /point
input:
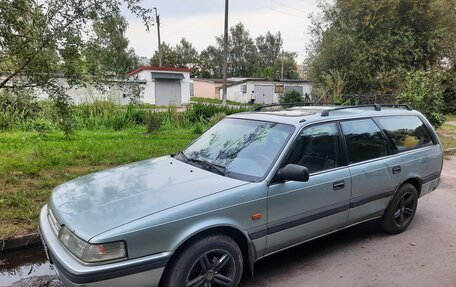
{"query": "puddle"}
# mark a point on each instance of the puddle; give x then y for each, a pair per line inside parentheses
(24, 263)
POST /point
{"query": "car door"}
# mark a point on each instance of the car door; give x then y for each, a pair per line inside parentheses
(375, 170)
(298, 211)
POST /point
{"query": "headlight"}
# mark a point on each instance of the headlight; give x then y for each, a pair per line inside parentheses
(91, 252)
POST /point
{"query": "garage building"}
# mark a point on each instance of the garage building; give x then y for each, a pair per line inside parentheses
(265, 91)
(163, 86)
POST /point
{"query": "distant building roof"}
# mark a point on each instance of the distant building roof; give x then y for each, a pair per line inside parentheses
(208, 80)
(264, 80)
(153, 68)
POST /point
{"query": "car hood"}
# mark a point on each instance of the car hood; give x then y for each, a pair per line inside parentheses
(98, 202)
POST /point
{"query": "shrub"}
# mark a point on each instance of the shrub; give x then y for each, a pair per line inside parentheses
(291, 97)
(216, 118)
(449, 93)
(203, 111)
(152, 121)
(423, 91)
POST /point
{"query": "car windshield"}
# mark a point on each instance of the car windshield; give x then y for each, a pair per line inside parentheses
(244, 149)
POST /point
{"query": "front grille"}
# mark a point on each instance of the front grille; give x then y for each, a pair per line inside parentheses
(55, 225)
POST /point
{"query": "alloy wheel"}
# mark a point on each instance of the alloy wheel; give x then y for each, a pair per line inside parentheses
(214, 268)
(405, 209)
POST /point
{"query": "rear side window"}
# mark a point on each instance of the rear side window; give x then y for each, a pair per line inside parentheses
(407, 132)
(364, 140)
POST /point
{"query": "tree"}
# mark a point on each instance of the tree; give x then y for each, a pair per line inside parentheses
(183, 55)
(423, 91)
(242, 52)
(209, 63)
(108, 53)
(40, 38)
(269, 48)
(169, 56)
(186, 53)
(374, 44)
(290, 70)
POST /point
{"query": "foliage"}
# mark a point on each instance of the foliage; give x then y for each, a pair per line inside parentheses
(183, 55)
(247, 57)
(424, 92)
(204, 112)
(107, 54)
(289, 66)
(152, 121)
(38, 40)
(243, 53)
(84, 41)
(374, 44)
(169, 57)
(291, 96)
(449, 91)
(214, 101)
(269, 47)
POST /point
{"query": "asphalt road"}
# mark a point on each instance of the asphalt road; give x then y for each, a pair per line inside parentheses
(424, 255)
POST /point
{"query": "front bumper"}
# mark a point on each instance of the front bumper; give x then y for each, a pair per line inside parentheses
(144, 271)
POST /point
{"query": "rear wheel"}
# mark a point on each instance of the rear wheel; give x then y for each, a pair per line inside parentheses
(401, 210)
(209, 262)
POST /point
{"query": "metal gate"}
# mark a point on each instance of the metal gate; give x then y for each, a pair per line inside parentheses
(264, 94)
(167, 92)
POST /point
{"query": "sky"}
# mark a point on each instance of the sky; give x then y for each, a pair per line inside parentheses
(199, 21)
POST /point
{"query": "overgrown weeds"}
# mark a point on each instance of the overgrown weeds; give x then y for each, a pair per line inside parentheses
(25, 113)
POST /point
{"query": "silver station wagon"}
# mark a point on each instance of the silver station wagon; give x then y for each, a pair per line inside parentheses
(252, 185)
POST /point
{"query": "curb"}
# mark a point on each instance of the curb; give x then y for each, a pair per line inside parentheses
(449, 151)
(17, 242)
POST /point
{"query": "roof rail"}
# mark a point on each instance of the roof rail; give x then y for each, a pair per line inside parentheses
(376, 107)
(285, 104)
(397, 106)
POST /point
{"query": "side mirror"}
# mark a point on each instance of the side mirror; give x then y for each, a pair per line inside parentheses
(293, 172)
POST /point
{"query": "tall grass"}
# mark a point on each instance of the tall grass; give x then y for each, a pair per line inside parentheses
(39, 116)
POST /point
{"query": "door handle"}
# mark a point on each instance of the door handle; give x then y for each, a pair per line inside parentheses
(338, 185)
(397, 169)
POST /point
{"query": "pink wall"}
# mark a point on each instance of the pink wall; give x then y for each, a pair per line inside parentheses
(206, 89)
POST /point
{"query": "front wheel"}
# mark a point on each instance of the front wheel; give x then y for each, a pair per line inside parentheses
(209, 262)
(401, 210)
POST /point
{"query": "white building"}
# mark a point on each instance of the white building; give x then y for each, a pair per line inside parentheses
(163, 86)
(264, 91)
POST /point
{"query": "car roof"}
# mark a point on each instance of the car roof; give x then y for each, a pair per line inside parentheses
(301, 115)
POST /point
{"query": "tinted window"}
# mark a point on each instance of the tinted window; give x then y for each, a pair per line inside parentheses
(407, 132)
(364, 140)
(317, 148)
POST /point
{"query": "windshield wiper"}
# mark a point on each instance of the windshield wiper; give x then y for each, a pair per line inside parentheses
(182, 155)
(209, 165)
(203, 163)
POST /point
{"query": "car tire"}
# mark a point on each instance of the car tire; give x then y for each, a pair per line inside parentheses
(214, 259)
(401, 210)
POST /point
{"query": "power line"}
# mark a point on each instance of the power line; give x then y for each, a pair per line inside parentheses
(274, 9)
(289, 7)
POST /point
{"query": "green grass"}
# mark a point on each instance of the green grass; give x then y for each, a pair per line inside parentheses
(447, 132)
(214, 101)
(31, 166)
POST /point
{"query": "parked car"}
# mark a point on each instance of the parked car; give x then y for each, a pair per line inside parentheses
(252, 185)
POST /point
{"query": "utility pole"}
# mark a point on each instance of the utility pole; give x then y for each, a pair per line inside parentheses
(225, 53)
(157, 20)
(281, 70)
